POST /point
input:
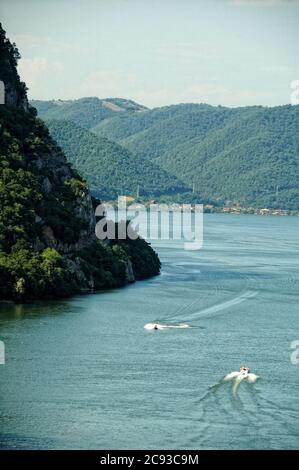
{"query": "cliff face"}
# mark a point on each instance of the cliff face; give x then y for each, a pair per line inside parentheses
(15, 97)
(55, 173)
(15, 90)
(48, 246)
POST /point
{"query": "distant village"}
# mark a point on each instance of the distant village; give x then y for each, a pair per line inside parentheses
(238, 209)
(235, 209)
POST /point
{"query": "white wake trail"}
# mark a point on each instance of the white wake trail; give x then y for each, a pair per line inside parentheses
(223, 305)
(207, 312)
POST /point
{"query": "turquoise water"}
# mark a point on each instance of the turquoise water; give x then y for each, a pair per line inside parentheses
(83, 373)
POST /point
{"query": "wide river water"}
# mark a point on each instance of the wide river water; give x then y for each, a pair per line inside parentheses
(83, 373)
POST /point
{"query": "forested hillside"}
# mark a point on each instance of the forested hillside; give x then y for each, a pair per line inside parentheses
(109, 168)
(246, 155)
(86, 112)
(253, 160)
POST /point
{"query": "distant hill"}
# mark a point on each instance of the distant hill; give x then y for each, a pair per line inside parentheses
(253, 158)
(109, 168)
(248, 155)
(86, 112)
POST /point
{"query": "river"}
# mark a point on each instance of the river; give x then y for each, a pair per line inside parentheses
(83, 373)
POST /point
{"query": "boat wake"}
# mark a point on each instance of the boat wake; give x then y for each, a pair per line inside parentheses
(172, 321)
(160, 326)
(215, 309)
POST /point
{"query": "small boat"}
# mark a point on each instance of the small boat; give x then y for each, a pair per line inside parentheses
(159, 326)
(243, 374)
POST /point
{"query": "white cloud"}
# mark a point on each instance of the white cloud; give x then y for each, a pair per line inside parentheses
(263, 3)
(155, 98)
(277, 69)
(183, 51)
(201, 93)
(34, 72)
(108, 83)
(205, 89)
(30, 41)
(218, 94)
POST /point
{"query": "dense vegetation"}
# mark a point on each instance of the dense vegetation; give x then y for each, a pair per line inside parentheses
(28, 267)
(9, 56)
(248, 155)
(109, 168)
(48, 247)
(86, 112)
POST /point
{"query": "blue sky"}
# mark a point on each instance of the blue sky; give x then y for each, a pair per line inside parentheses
(229, 52)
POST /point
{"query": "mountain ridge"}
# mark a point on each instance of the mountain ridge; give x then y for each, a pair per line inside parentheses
(87, 111)
(109, 168)
(247, 155)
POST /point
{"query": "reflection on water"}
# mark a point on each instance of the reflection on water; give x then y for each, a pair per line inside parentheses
(84, 373)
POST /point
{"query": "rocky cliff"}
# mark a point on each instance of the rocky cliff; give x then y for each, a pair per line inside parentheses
(48, 246)
(15, 90)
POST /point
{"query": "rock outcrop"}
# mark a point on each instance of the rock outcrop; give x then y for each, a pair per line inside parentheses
(15, 96)
(14, 89)
(48, 246)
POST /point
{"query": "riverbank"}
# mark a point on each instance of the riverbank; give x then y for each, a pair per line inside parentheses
(127, 202)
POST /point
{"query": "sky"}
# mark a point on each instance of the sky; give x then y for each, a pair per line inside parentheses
(157, 52)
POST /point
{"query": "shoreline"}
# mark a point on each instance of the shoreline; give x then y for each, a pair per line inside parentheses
(174, 207)
(77, 294)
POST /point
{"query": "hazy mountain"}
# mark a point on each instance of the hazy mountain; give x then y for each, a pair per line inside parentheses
(109, 168)
(248, 155)
(86, 112)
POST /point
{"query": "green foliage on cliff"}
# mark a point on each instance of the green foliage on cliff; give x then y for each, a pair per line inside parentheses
(9, 56)
(109, 168)
(48, 247)
(145, 262)
(40, 196)
(26, 274)
(24, 143)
